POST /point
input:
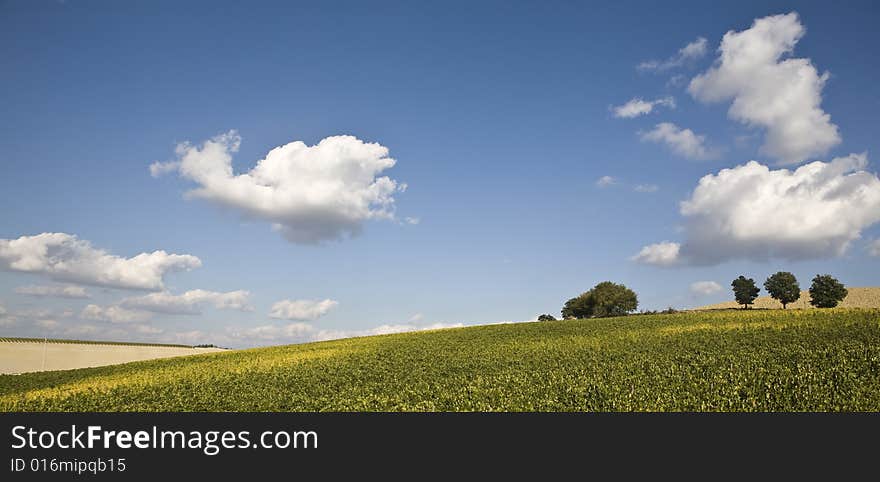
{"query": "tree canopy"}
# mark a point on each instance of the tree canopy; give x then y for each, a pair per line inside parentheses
(826, 291)
(783, 287)
(604, 299)
(745, 290)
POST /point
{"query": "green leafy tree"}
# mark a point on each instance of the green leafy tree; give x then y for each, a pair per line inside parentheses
(783, 287)
(546, 318)
(604, 299)
(745, 291)
(826, 291)
(578, 307)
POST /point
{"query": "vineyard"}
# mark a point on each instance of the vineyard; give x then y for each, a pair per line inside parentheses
(793, 360)
(84, 342)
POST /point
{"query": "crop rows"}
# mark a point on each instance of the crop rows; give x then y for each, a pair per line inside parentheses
(797, 360)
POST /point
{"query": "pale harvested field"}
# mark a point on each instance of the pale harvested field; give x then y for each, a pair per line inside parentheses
(857, 298)
(31, 356)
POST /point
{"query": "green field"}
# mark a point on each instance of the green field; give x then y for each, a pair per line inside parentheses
(727, 360)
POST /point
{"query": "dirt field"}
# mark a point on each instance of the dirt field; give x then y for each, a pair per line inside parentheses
(30, 356)
(857, 298)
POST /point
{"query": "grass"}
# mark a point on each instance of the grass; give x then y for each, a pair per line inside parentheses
(797, 360)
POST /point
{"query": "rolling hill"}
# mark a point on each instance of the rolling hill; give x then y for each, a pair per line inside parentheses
(794, 360)
(868, 297)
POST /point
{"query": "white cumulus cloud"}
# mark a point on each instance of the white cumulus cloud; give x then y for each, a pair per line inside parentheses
(692, 51)
(190, 302)
(65, 257)
(659, 254)
(683, 142)
(705, 288)
(637, 106)
(302, 310)
(113, 314)
(309, 193)
(782, 95)
(42, 291)
(757, 213)
(646, 188)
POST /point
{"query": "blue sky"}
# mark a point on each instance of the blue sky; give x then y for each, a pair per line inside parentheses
(501, 119)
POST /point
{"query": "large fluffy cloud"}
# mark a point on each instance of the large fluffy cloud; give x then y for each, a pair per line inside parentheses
(309, 193)
(65, 257)
(190, 302)
(301, 310)
(757, 213)
(637, 106)
(683, 142)
(692, 51)
(781, 95)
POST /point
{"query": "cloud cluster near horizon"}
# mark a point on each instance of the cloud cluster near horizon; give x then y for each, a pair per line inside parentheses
(189, 302)
(64, 257)
(301, 310)
(301, 332)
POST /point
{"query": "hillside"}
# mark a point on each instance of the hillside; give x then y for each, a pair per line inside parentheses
(723, 360)
(856, 298)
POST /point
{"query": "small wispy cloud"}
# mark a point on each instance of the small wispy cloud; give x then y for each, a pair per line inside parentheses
(606, 181)
(659, 254)
(692, 51)
(705, 288)
(636, 107)
(681, 141)
(646, 188)
(44, 291)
